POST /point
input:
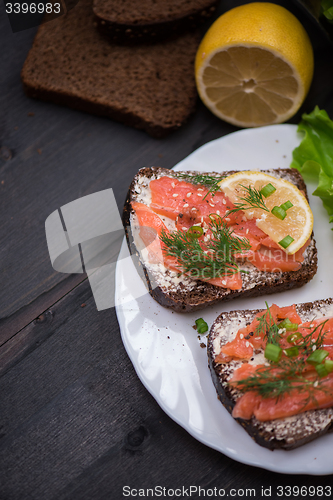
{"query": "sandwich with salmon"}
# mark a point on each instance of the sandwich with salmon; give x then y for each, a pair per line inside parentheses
(273, 371)
(201, 238)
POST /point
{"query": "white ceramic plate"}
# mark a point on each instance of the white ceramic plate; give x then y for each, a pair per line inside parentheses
(165, 349)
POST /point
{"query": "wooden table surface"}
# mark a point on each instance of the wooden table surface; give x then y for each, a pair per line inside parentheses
(75, 420)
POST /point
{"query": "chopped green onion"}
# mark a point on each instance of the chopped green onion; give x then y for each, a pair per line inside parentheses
(321, 370)
(317, 357)
(287, 240)
(291, 352)
(329, 365)
(279, 212)
(267, 190)
(195, 231)
(292, 339)
(288, 325)
(202, 326)
(273, 352)
(286, 205)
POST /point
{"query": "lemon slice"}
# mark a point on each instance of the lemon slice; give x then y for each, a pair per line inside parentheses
(254, 66)
(298, 222)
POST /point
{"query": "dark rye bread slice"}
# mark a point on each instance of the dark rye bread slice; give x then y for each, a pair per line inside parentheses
(148, 21)
(147, 87)
(283, 433)
(185, 295)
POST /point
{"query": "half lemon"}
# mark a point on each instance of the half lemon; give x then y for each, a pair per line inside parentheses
(255, 65)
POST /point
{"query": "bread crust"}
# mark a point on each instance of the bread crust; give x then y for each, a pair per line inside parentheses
(186, 296)
(286, 433)
(145, 27)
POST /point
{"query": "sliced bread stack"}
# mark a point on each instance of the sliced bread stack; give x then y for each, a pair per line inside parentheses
(147, 86)
(131, 21)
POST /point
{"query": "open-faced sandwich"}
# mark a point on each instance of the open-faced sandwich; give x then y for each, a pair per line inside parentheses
(201, 238)
(273, 371)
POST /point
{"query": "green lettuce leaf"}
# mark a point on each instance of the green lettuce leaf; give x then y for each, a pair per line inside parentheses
(314, 156)
(327, 9)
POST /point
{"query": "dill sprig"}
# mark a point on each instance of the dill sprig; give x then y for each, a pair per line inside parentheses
(274, 383)
(308, 343)
(211, 259)
(252, 199)
(269, 330)
(224, 243)
(267, 327)
(203, 180)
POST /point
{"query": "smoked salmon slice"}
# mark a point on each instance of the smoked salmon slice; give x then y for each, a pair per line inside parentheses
(294, 402)
(151, 227)
(180, 199)
(247, 339)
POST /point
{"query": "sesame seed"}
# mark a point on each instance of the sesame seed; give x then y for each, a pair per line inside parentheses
(175, 195)
(199, 194)
(247, 231)
(173, 184)
(315, 383)
(212, 205)
(200, 189)
(184, 228)
(227, 219)
(218, 212)
(241, 336)
(224, 201)
(186, 205)
(314, 347)
(247, 343)
(188, 194)
(224, 283)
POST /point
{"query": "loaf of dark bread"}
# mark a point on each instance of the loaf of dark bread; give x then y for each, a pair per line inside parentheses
(185, 295)
(147, 87)
(149, 21)
(283, 433)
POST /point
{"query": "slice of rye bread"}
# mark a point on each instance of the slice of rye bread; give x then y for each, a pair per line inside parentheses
(148, 21)
(147, 87)
(182, 294)
(284, 433)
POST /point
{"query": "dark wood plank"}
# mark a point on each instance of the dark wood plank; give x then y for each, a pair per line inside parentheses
(13, 324)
